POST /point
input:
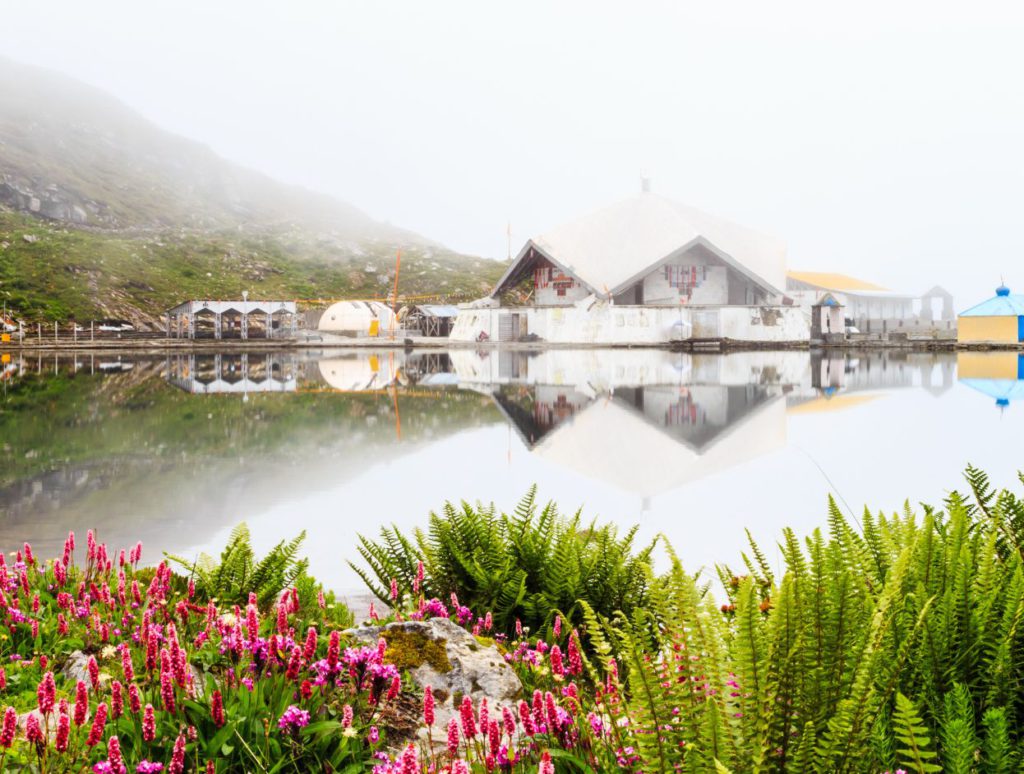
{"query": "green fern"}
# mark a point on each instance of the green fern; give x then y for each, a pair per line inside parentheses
(916, 753)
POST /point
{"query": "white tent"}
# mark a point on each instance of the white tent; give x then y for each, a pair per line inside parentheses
(358, 318)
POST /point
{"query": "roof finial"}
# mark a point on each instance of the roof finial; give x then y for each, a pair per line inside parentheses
(645, 182)
(1002, 290)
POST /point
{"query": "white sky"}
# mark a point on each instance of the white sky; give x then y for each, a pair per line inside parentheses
(881, 139)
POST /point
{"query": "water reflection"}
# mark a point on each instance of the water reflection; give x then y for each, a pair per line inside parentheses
(999, 375)
(344, 441)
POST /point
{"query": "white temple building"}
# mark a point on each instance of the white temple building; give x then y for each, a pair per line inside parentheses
(646, 270)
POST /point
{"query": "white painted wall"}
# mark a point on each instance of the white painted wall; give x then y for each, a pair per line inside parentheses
(714, 289)
(602, 323)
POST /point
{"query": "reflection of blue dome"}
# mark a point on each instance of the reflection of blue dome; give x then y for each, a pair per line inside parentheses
(1002, 390)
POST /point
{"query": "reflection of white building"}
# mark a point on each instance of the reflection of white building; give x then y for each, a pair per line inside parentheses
(231, 374)
(648, 440)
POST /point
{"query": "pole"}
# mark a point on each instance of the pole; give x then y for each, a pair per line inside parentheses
(55, 334)
(394, 303)
(39, 327)
(92, 330)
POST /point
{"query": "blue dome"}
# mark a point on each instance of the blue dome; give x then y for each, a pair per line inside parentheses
(1002, 290)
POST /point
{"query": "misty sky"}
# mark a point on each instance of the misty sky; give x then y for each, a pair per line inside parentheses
(881, 139)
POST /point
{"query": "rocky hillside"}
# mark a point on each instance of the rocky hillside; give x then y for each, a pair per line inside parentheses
(103, 214)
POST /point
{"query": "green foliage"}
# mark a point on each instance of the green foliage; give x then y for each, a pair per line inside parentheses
(240, 573)
(911, 732)
(90, 274)
(871, 650)
(527, 566)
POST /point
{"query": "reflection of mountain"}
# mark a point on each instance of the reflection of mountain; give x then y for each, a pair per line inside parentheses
(131, 455)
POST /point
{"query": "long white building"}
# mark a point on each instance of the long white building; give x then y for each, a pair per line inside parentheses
(646, 270)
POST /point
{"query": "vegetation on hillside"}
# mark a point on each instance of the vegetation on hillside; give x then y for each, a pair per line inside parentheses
(63, 273)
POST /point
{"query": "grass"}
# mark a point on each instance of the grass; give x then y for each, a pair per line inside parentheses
(76, 274)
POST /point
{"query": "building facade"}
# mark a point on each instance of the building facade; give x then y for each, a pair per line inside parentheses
(644, 271)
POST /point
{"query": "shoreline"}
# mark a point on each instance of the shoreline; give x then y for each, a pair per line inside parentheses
(164, 345)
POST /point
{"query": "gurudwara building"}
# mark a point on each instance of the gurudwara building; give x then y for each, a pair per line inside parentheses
(646, 270)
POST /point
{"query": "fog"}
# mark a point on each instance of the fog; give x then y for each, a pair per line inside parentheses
(879, 139)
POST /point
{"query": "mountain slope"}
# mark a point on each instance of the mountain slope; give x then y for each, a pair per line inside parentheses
(103, 214)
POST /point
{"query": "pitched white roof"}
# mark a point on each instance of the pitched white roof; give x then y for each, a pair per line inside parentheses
(613, 247)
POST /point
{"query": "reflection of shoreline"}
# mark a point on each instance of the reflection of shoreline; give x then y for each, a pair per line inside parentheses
(114, 444)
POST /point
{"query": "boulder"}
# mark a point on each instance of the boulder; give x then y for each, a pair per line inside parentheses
(440, 653)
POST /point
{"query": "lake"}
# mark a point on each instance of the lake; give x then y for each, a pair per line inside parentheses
(175, 450)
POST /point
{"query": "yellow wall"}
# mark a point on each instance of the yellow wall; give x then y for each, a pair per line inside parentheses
(987, 365)
(1001, 329)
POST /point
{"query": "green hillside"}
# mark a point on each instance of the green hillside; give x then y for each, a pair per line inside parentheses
(105, 215)
(63, 273)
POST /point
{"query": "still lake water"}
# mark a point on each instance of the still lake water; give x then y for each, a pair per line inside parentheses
(176, 450)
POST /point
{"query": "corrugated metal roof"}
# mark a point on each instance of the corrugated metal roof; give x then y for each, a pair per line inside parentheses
(998, 306)
(438, 310)
(613, 247)
(833, 281)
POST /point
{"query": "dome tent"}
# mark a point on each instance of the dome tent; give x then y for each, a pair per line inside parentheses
(358, 318)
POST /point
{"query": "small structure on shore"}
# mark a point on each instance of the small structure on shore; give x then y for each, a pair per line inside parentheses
(358, 318)
(430, 319)
(1000, 320)
(872, 308)
(232, 319)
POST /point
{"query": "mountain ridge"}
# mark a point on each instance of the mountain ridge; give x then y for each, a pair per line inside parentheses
(105, 214)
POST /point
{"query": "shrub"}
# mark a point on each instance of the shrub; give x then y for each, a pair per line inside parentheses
(521, 567)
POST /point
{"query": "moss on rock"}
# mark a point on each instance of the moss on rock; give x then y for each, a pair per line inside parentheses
(411, 649)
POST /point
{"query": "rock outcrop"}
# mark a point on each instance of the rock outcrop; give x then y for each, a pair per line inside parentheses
(439, 653)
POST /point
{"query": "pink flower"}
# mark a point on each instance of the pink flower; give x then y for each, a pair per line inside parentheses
(575, 656)
(546, 766)
(114, 757)
(309, 649)
(94, 672)
(373, 736)
(116, 700)
(9, 728)
(557, 667)
(428, 706)
(217, 708)
(126, 664)
(81, 703)
(396, 686)
(148, 724)
(333, 648)
(60, 741)
(134, 701)
(394, 590)
(453, 737)
(99, 722)
(46, 693)
(33, 733)
(346, 716)
(293, 719)
(177, 757)
(468, 721)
